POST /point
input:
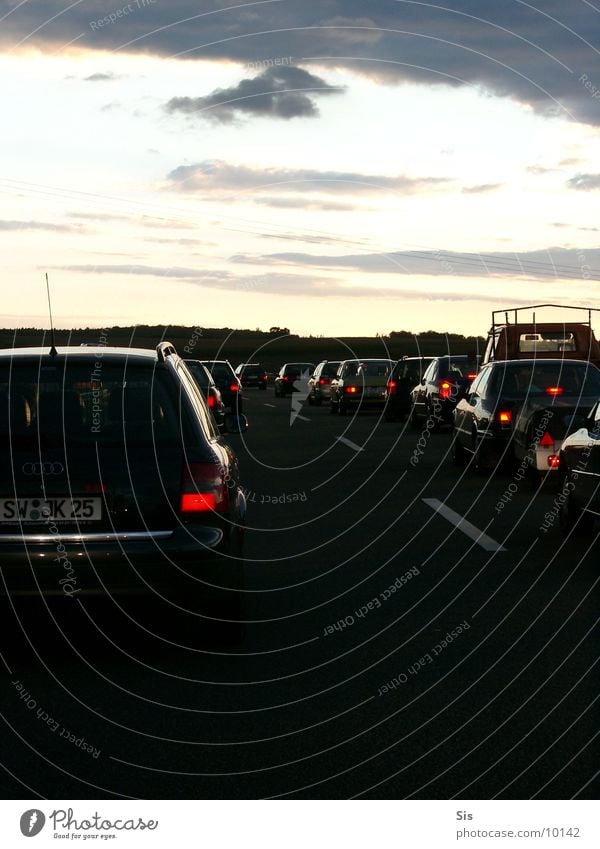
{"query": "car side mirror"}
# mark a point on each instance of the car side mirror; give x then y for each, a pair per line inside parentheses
(235, 424)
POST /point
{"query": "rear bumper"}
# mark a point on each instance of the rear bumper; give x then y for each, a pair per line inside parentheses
(192, 560)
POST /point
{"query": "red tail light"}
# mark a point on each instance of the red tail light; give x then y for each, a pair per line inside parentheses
(351, 390)
(471, 377)
(554, 461)
(392, 387)
(203, 488)
(554, 390)
(235, 387)
(211, 400)
(504, 417)
(445, 389)
(324, 381)
(547, 441)
(285, 377)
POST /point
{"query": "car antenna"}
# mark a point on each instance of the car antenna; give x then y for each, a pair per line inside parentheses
(53, 351)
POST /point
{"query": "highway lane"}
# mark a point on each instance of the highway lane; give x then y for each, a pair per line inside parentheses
(387, 652)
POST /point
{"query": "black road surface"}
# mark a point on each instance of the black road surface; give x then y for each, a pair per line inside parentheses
(392, 649)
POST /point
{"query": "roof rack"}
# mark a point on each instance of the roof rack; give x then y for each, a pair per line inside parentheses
(515, 314)
(164, 350)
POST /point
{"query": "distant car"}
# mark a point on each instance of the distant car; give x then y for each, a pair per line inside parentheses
(319, 384)
(523, 409)
(227, 382)
(252, 374)
(405, 375)
(210, 390)
(110, 458)
(288, 374)
(579, 467)
(446, 380)
(360, 383)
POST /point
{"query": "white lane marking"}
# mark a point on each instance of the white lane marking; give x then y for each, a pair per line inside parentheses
(486, 542)
(350, 444)
(270, 405)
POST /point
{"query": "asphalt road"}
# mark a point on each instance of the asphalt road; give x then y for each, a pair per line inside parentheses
(389, 653)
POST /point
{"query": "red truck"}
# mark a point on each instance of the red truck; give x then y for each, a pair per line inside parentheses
(516, 338)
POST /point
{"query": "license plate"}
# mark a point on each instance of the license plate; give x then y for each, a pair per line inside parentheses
(50, 509)
(373, 390)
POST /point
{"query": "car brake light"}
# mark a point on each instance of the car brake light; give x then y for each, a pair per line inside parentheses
(471, 377)
(203, 488)
(505, 417)
(392, 387)
(211, 400)
(351, 390)
(547, 441)
(324, 381)
(285, 377)
(235, 387)
(445, 389)
(553, 461)
(554, 390)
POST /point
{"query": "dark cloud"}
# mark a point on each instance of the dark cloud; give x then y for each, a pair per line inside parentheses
(584, 182)
(217, 175)
(542, 57)
(278, 92)
(42, 225)
(550, 264)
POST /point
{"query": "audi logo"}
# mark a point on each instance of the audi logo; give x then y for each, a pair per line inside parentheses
(43, 469)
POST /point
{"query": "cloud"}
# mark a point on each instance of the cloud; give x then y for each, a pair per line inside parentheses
(483, 188)
(42, 225)
(584, 182)
(101, 77)
(312, 204)
(278, 92)
(217, 175)
(550, 264)
(541, 57)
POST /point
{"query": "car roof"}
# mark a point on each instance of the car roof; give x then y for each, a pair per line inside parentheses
(537, 361)
(83, 352)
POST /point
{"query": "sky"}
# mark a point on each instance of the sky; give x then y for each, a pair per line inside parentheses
(335, 167)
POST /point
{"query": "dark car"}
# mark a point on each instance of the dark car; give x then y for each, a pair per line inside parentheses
(115, 482)
(319, 384)
(523, 409)
(252, 374)
(405, 375)
(580, 476)
(210, 390)
(288, 374)
(227, 382)
(445, 382)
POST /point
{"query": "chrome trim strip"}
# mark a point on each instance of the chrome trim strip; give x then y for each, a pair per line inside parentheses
(131, 536)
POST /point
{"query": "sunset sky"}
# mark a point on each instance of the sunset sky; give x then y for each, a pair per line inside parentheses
(334, 166)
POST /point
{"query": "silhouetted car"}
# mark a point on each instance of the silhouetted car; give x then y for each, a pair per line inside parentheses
(405, 375)
(445, 382)
(114, 480)
(288, 374)
(227, 382)
(360, 383)
(210, 390)
(523, 409)
(252, 374)
(319, 384)
(579, 466)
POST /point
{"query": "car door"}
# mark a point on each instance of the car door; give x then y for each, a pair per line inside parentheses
(468, 412)
(421, 389)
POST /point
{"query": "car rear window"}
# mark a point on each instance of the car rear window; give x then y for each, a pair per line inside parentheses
(88, 402)
(220, 371)
(547, 341)
(377, 368)
(330, 369)
(569, 378)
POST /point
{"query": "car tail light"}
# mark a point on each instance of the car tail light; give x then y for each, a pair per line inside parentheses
(324, 381)
(445, 388)
(504, 417)
(203, 488)
(285, 377)
(471, 377)
(235, 387)
(553, 461)
(392, 387)
(351, 390)
(546, 441)
(554, 390)
(211, 400)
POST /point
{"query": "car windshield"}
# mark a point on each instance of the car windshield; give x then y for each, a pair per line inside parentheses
(86, 403)
(220, 371)
(376, 368)
(330, 369)
(298, 368)
(554, 379)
